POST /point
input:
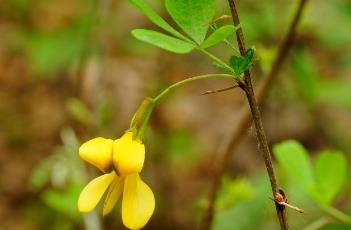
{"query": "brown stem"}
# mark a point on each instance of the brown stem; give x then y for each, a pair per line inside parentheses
(263, 146)
(256, 116)
(224, 151)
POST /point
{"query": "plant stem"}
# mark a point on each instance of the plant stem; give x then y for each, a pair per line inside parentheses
(224, 151)
(216, 59)
(318, 224)
(214, 28)
(185, 81)
(256, 116)
(337, 214)
(142, 116)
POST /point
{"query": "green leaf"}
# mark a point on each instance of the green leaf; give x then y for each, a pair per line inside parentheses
(163, 41)
(241, 64)
(218, 36)
(237, 64)
(293, 158)
(155, 18)
(192, 16)
(330, 175)
(249, 55)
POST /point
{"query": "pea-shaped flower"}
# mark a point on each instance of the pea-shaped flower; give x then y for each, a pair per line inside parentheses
(121, 160)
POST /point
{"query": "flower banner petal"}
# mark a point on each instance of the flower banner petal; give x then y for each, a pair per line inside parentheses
(113, 194)
(128, 154)
(98, 152)
(138, 202)
(92, 193)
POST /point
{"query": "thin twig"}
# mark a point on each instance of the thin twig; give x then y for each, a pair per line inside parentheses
(220, 90)
(225, 149)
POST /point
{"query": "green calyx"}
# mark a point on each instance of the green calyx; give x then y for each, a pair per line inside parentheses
(141, 118)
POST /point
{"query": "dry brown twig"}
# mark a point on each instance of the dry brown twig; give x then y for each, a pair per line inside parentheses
(224, 151)
(220, 90)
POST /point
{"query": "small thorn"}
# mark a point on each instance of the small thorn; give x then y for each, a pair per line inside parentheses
(292, 207)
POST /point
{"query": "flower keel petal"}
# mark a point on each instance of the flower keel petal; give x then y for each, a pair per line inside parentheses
(113, 194)
(92, 193)
(138, 202)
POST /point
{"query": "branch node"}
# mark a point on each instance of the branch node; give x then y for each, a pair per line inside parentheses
(282, 201)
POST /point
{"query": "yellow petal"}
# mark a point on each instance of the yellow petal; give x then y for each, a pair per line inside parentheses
(98, 152)
(113, 194)
(92, 193)
(128, 154)
(138, 202)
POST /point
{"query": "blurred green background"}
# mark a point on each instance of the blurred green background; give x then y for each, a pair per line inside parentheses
(70, 71)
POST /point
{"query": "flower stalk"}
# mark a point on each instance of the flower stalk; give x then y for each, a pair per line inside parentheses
(188, 80)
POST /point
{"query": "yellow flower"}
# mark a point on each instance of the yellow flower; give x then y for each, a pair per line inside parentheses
(126, 156)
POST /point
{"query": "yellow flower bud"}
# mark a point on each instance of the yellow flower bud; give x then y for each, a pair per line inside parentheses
(98, 152)
(128, 154)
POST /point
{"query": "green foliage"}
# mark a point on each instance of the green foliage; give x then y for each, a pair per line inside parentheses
(330, 174)
(241, 64)
(335, 92)
(192, 16)
(41, 174)
(306, 76)
(181, 146)
(163, 41)
(248, 213)
(154, 17)
(233, 192)
(316, 89)
(323, 181)
(218, 36)
(293, 157)
(78, 110)
(64, 202)
(104, 114)
(52, 51)
(65, 172)
(336, 227)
